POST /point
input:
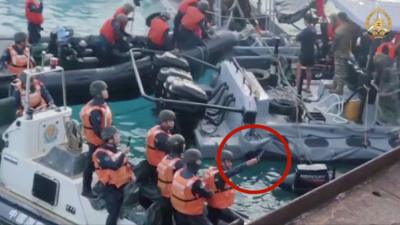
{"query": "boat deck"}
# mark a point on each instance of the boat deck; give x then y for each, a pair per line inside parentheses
(368, 194)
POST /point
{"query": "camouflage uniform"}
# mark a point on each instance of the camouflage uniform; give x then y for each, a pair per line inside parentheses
(342, 50)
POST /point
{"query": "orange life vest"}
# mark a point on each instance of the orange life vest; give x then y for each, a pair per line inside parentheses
(33, 17)
(221, 199)
(107, 32)
(182, 198)
(18, 63)
(154, 155)
(106, 121)
(185, 4)
(391, 47)
(165, 170)
(158, 28)
(118, 177)
(36, 100)
(191, 20)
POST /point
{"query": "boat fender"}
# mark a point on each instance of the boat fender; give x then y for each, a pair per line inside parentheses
(170, 60)
(282, 107)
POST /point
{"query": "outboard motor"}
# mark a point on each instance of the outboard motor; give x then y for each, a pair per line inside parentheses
(166, 72)
(308, 177)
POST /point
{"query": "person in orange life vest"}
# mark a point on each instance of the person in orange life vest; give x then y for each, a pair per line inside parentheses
(193, 27)
(158, 32)
(113, 38)
(224, 195)
(188, 194)
(388, 48)
(95, 116)
(113, 170)
(34, 15)
(157, 138)
(39, 97)
(182, 8)
(166, 170)
(16, 57)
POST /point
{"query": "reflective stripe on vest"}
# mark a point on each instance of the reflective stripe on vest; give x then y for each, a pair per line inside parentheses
(158, 28)
(106, 121)
(18, 62)
(165, 170)
(154, 155)
(107, 32)
(118, 177)
(36, 100)
(391, 49)
(33, 17)
(182, 198)
(191, 20)
(221, 199)
(185, 4)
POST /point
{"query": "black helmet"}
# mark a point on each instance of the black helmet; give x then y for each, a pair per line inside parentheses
(108, 133)
(166, 115)
(203, 5)
(96, 87)
(165, 16)
(176, 143)
(227, 155)
(20, 37)
(191, 156)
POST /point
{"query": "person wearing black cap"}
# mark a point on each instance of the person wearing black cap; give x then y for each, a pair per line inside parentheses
(95, 116)
(17, 56)
(166, 170)
(188, 194)
(224, 195)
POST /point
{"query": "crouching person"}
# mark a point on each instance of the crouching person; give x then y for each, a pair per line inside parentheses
(113, 170)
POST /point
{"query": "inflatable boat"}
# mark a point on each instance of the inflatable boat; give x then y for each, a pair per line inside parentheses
(319, 127)
(119, 77)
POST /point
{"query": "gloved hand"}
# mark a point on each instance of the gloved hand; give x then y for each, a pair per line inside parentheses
(136, 2)
(130, 19)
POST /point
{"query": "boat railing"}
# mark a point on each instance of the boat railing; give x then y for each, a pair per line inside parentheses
(179, 102)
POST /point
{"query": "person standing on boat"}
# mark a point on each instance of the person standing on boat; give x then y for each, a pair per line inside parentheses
(95, 116)
(188, 194)
(157, 137)
(341, 47)
(34, 15)
(16, 57)
(182, 8)
(158, 32)
(166, 170)
(113, 37)
(307, 38)
(39, 97)
(224, 195)
(192, 29)
(113, 170)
